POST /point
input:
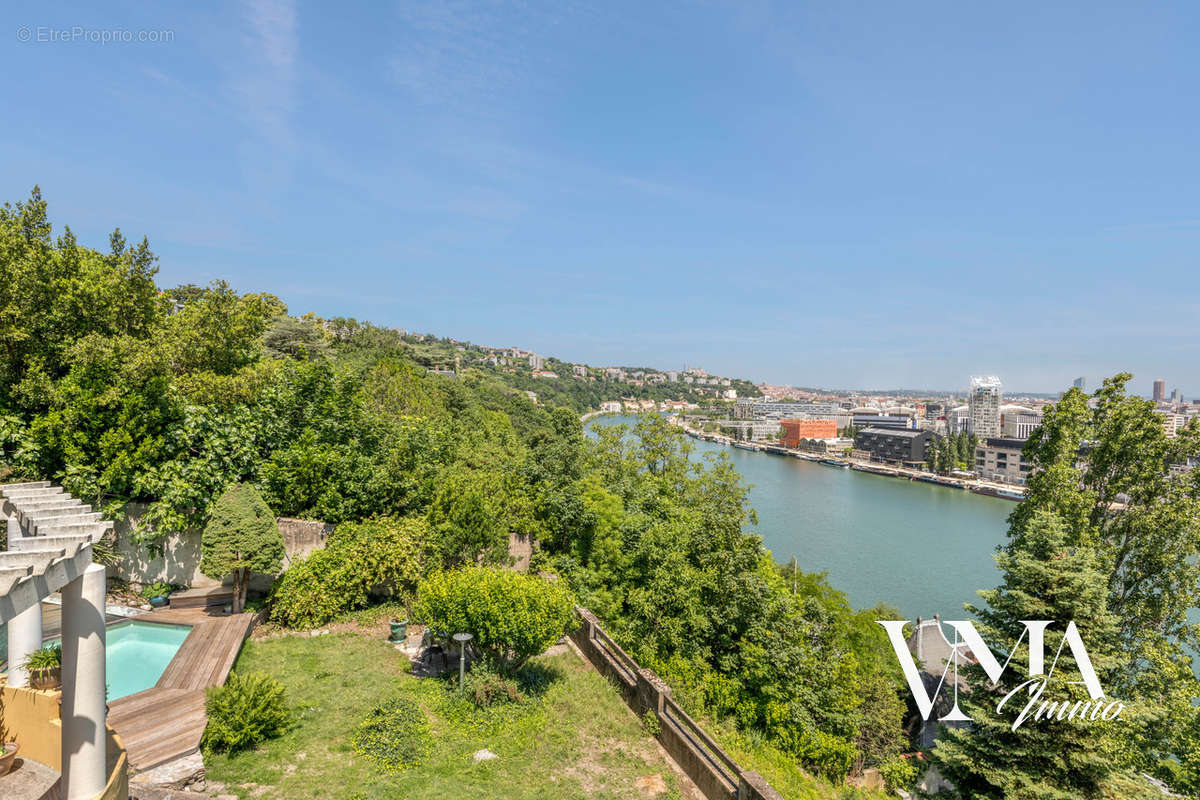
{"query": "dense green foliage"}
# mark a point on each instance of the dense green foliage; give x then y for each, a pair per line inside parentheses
(948, 453)
(661, 557)
(241, 537)
(360, 561)
(513, 617)
(1105, 467)
(1109, 536)
(1043, 579)
(898, 773)
(395, 735)
(247, 711)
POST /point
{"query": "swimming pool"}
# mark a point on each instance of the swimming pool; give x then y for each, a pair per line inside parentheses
(136, 654)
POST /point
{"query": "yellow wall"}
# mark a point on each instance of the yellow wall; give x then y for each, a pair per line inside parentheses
(32, 718)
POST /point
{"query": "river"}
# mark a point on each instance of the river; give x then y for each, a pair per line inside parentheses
(918, 547)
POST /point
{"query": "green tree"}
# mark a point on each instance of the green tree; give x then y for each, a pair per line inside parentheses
(54, 292)
(289, 337)
(1044, 578)
(663, 558)
(1104, 467)
(241, 537)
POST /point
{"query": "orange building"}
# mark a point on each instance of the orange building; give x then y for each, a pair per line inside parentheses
(796, 429)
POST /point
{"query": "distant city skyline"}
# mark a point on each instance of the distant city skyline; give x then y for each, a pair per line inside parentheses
(807, 194)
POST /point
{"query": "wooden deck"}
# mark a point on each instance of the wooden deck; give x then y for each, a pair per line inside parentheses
(166, 722)
(202, 598)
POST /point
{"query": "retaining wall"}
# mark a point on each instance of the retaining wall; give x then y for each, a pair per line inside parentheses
(179, 562)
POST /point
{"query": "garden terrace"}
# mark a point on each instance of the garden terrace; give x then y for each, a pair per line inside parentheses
(577, 739)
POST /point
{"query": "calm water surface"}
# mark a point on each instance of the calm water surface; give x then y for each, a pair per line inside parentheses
(919, 547)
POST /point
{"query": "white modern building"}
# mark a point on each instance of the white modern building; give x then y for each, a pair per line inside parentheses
(750, 408)
(1018, 422)
(984, 403)
(958, 419)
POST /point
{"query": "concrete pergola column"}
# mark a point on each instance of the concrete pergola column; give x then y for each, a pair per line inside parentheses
(83, 701)
(24, 630)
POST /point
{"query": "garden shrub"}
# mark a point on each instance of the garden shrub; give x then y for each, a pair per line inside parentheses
(512, 616)
(395, 735)
(827, 755)
(249, 709)
(487, 688)
(898, 773)
(362, 560)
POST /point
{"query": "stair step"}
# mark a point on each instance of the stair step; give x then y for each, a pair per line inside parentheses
(30, 494)
(37, 559)
(97, 529)
(69, 543)
(33, 509)
(10, 576)
(70, 518)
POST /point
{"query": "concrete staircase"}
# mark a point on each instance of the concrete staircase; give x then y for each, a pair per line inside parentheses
(50, 538)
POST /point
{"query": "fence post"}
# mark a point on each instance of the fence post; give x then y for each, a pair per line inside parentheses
(752, 786)
(652, 692)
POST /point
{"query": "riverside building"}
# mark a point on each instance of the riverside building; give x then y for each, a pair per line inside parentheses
(1000, 459)
(983, 401)
(1017, 422)
(894, 446)
(796, 429)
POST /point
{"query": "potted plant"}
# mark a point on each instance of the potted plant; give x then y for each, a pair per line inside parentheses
(8, 748)
(399, 625)
(45, 667)
(158, 593)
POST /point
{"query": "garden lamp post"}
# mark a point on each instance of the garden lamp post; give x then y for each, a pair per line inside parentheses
(462, 639)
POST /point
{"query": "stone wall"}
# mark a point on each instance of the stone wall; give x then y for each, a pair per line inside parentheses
(712, 770)
(179, 562)
(300, 538)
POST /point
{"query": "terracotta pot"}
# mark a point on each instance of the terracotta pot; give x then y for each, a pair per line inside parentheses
(45, 678)
(6, 760)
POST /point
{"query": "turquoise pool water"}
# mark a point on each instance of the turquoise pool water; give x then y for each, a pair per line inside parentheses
(137, 653)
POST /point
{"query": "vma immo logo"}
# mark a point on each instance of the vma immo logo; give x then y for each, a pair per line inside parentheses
(969, 646)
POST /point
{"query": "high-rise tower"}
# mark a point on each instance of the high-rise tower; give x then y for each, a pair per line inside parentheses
(983, 403)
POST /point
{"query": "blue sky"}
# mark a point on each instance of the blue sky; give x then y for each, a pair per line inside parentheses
(840, 194)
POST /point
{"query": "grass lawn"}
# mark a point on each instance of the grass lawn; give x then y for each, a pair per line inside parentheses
(578, 740)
